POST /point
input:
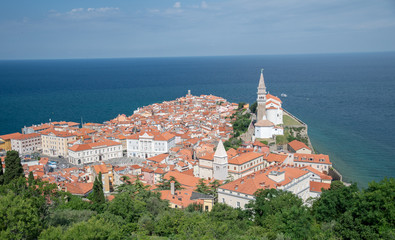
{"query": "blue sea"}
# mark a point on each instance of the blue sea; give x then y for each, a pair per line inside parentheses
(348, 100)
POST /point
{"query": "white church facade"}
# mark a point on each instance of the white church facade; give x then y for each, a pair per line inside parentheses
(269, 113)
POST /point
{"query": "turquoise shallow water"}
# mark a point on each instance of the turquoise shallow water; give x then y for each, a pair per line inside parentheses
(347, 100)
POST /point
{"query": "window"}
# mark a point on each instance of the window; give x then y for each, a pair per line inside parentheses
(238, 204)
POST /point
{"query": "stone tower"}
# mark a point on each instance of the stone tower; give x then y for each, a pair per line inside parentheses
(261, 99)
(220, 164)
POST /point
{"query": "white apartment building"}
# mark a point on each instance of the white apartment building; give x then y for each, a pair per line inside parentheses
(94, 152)
(149, 144)
(287, 178)
(26, 143)
(319, 162)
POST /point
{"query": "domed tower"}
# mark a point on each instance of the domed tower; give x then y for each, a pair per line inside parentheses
(220, 164)
(261, 99)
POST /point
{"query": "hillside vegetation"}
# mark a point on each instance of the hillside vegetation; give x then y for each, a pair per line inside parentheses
(37, 210)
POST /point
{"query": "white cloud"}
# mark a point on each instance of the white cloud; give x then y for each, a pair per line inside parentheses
(85, 13)
(204, 5)
(153, 10)
(177, 5)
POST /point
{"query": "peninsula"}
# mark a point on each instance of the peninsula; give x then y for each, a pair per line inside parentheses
(196, 153)
(188, 139)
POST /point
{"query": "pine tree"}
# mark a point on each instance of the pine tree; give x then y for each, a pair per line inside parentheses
(13, 167)
(30, 179)
(98, 194)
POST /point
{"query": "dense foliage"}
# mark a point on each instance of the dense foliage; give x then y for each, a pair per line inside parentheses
(14, 166)
(240, 121)
(37, 210)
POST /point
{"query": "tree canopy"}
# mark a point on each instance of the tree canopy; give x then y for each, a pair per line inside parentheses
(40, 211)
(13, 166)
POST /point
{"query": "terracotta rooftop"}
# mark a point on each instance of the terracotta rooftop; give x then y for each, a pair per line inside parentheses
(296, 145)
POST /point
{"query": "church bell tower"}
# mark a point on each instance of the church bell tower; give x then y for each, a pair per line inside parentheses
(220, 164)
(261, 99)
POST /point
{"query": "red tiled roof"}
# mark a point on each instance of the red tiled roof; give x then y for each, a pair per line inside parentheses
(10, 136)
(26, 136)
(296, 145)
(312, 158)
(318, 186)
(158, 158)
(273, 157)
(245, 157)
(78, 188)
(260, 180)
(87, 146)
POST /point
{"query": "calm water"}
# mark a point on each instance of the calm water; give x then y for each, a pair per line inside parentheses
(347, 100)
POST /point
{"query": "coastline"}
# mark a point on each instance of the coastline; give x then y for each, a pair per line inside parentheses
(333, 172)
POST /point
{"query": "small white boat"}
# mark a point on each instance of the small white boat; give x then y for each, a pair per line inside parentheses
(283, 95)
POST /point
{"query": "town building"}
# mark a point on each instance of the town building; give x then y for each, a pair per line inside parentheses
(149, 144)
(55, 143)
(184, 197)
(298, 147)
(224, 165)
(26, 143)
(5, 141)
(108, 176)
(320, 162)
(94, 152)
(286, 178)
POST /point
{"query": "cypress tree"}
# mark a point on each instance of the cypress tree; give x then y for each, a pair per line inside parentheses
(13, 167)
(30, 179)
(98, 194)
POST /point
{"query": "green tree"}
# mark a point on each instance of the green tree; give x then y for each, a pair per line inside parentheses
(31, 179)
(253, 107)
(128, 207)
(19, 217)
(202, 187)
(95, 228)
(281, 212)
(98, 194)
(66, 217)
(372, 214)
(164, 184)
(13, 166)
(334, 202)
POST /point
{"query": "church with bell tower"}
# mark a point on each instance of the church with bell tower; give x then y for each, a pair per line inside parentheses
(269, 113)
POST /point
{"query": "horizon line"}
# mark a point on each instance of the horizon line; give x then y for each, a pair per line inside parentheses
(191, 56)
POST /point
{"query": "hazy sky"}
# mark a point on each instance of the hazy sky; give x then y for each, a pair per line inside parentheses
(146, 28)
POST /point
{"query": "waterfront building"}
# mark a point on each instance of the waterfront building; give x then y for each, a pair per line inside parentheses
(94, 152)
(26, 143)
(320, 162)
(55, 143)
(269, 113)
(149, 144)
(298, 147)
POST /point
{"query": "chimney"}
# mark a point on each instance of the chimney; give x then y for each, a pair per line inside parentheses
(172, 188)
